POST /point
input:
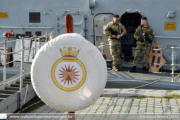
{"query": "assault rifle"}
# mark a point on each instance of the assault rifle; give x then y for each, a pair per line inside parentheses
(142, 35)
(113, 31)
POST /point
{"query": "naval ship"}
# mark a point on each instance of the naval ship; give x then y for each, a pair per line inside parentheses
(38, 21)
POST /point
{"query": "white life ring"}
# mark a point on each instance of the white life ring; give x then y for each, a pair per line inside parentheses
(69, 73)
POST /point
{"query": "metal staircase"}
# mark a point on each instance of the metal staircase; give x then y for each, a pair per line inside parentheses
(13, 88)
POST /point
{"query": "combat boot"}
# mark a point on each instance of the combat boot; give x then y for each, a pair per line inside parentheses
(133, 69)
(144, 70)
(114, 68)
(120, 67)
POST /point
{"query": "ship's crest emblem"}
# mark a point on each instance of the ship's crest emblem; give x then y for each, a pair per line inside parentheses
(68, 72)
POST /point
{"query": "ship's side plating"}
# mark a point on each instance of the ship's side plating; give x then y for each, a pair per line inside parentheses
(90, 16)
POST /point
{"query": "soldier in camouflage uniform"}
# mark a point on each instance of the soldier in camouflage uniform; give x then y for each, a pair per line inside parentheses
(141, 47)
(115, 30)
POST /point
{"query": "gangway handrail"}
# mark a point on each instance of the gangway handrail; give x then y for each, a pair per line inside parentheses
(167, 37)
(11, 52)
(11, 27)
(13, 40)
(21, 50)
(21, 76)
(14, 79)
(2, 42)
(13, 61)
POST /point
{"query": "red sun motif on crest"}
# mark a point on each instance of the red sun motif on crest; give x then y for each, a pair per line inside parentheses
(68, 74)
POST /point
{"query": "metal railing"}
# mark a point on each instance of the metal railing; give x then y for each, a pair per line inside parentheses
(22, 68)
(172, 64)
(101, 47)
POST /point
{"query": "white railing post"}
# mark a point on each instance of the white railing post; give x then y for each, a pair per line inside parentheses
(102, 47)
(172, 64)
(0, 59)
(52, 34)
(35, 45)
(4, 75)
(39, 42)
(21, 77)
(46, 37)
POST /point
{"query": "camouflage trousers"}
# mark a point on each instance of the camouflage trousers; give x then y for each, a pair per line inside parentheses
(141, 49)
(115, 49)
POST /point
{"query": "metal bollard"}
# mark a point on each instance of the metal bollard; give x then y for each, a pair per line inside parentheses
(21, 77)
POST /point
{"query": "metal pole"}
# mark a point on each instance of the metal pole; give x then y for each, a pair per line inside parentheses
(0, 59)
(46, 37)
(21, 77)
(172, 64)
(102, 47)
(52, 34)
(70, 115)
(35, 45)
(26, 94)
(39, 43)
(4, 75)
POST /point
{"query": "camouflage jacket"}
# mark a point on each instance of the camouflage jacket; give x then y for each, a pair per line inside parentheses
(146, 29)
(116, 27)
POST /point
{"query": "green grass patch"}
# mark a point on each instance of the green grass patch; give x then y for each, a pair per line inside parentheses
(169, 91)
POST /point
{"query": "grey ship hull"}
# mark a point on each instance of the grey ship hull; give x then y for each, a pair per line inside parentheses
(86, 16)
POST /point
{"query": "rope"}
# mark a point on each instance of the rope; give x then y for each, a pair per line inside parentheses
(29, 106)
(134, 80)
(13, 61)
(112, 74)
(11, 53)
(118, 73)
(128, 74)
(24, 55)
(148, 84)
(22, 50)
(14, 79)
(155, 80)
(2, 42)
(13, 40)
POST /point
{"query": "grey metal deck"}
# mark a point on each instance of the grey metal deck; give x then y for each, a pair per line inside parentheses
(125, 79)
